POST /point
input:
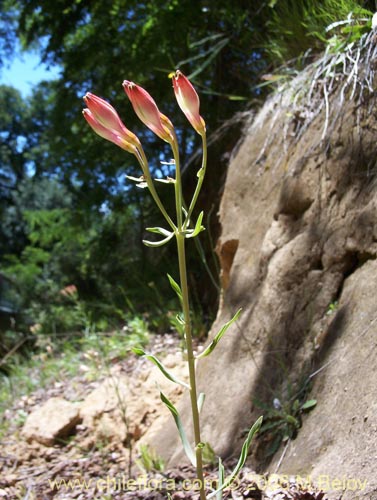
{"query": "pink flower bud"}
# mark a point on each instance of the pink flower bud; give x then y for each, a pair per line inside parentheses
(146, 109)
(103, 112)
(188, 101)
(105, 121)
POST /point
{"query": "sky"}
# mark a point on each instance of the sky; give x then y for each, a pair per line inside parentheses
(25, 71)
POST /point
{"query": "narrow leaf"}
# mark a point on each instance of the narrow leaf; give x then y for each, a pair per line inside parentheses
(217, 338)
(160, 366)
(219, 495)
(241, 461)
(198, 227)
(180, 320)
(154, 244)
(135, 179)
(178, 422)
(201, 399)
(175, 287)
(159, 230)
(166, 181)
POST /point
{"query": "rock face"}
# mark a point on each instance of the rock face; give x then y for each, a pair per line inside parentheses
(298, 253)
(54, 420)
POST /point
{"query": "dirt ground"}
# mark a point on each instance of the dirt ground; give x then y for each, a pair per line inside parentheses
(85, 465)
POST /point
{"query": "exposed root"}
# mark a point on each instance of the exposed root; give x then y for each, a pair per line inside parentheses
(340, 75)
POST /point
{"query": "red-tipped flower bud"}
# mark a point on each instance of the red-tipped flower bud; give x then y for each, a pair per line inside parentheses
(146, 109)
(188, 101)
(105, 121)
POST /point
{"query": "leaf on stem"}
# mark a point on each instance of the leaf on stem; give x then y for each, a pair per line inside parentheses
(241, 461)
(154, 244)
(180, 320)
(208, 454)
(178, 422)
(308, 405)
(169, 180)
(201, 399)
(198, 227)
(219, 495)
(160, 366)
(135, 179)
(217, 338)
(175, 287)
(159, 230)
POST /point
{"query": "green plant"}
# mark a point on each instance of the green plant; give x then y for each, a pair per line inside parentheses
(332, 308)
(283, 419)
(149, 460)
(297, 28)
(105, 121)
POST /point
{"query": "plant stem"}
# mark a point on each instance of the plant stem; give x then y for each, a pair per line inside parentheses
(144, 165)
(201, 175)
(190, 359)
(178, 186)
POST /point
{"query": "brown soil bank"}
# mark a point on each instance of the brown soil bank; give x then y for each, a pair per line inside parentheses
(298, 252)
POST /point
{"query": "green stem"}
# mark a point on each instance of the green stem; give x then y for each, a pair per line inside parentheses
(148, 179)
(190, 360)
(180, 237)
(201, 175)
(177, 185)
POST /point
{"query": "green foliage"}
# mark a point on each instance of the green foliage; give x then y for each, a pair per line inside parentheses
(241, 461)
(149, 461)
(333, 307)
(219, 335)
(283, 419)
(295, 29)
(190, 454)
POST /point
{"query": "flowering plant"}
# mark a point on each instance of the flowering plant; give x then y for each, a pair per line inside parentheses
(105, 121)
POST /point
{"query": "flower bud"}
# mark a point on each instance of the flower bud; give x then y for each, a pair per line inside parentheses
(146, 109)
(105, 121)
(188, 101)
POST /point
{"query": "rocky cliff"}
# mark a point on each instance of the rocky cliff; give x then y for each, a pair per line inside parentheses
(298, 253)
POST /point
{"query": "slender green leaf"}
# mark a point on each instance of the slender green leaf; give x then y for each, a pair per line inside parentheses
(219, 495)
(159, 230)
(209, 38)
(169, 180)
(198, 227)
(201, 399)
(178, 422)
(175, 287)
(135, 179)
(215, 50)
(217, 338)
(180, 320)
(154, 244)
(241, 461)
(160, 366)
